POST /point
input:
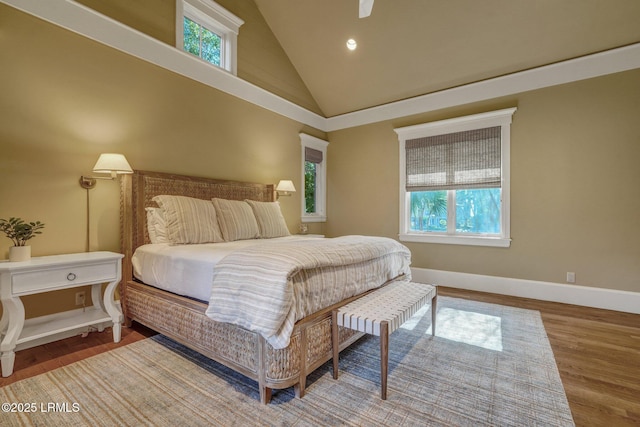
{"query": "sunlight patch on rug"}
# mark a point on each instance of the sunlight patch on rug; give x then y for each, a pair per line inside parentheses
(481, 330)
(467, 327)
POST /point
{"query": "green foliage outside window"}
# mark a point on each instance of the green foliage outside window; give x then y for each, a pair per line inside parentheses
(477, 211)
(202, 42)
(429, 211)
(310, 187)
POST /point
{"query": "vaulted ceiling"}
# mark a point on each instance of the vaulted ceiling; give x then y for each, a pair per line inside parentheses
(408, 48)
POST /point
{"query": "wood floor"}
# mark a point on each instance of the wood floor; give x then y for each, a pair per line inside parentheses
(597, 353)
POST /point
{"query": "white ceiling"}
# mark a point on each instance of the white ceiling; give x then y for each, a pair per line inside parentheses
(408, 48)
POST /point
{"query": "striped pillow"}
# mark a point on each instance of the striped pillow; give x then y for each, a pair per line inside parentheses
(189, 220)
(270, 219)
(236, 220)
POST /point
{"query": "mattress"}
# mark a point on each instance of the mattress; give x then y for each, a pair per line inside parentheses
(187, 270)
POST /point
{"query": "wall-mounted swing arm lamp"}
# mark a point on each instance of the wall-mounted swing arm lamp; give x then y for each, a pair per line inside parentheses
(113, 164)
(285, 188)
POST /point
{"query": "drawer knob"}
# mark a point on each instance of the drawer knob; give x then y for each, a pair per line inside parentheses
(71, 277)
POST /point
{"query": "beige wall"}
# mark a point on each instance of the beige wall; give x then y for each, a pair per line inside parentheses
(153, 17)
(261, 59)
(574, 186)
(66, 99)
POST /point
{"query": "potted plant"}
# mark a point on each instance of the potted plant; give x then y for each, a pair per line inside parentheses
(19, 232)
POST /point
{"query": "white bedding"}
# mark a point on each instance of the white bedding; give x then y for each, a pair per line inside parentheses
(270, 287)
(173, 267)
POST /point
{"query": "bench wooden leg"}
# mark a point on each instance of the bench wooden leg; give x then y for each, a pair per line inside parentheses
(335, 344)
(384, 358)
(298, 389)
(434, 308)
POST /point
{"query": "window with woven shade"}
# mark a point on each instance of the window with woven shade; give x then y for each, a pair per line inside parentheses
(455, 180)
(314, 177)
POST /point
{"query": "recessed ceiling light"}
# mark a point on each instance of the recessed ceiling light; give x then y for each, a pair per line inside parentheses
(351, 44)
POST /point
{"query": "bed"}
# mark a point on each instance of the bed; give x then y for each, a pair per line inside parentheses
(275, 363)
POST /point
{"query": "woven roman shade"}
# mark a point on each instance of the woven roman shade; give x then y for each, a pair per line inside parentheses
(460, 160)
(312, 155)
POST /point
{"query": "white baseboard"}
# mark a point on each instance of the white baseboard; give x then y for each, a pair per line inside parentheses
(609, 299)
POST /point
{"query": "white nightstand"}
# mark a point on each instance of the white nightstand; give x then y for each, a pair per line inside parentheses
(50, 273)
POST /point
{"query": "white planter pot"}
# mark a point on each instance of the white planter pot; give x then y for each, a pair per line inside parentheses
(19, 253)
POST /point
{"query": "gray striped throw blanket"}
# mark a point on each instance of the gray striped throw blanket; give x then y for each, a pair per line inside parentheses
(267, 288)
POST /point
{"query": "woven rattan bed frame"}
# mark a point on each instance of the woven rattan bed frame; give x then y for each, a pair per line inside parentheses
(183, 319)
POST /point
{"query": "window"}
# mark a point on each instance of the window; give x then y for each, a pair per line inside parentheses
(314, 177)
(208, 31)
(202, 42)
(454, 180)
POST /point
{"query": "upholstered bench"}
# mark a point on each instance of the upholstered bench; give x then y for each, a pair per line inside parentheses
(380, 313)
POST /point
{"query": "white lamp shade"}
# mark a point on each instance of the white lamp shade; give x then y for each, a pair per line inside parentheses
(112, 163)
(286, 185)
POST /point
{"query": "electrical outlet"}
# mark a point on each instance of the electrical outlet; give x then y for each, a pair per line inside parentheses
(571, 277)
(80, 298)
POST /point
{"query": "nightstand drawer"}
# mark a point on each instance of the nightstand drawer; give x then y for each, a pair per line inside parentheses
(52, 278)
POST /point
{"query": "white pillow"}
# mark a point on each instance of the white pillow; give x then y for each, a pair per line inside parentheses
(189, 220)
(236, 219)
(156, 225)
(269, 218)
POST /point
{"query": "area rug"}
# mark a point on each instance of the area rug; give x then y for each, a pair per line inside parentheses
(487, 365)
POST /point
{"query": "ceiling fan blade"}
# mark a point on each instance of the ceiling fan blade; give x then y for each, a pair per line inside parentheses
(365, 8)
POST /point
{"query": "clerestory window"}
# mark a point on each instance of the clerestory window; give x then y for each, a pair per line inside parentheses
(208, 31)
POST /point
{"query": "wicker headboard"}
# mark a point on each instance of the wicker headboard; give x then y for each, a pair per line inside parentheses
(139, 188)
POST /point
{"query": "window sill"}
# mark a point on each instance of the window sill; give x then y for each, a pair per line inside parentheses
(314, 218)
(499, 242)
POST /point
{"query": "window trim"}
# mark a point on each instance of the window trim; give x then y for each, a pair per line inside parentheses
(500, 118)
(217, 19)
(321, 179)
